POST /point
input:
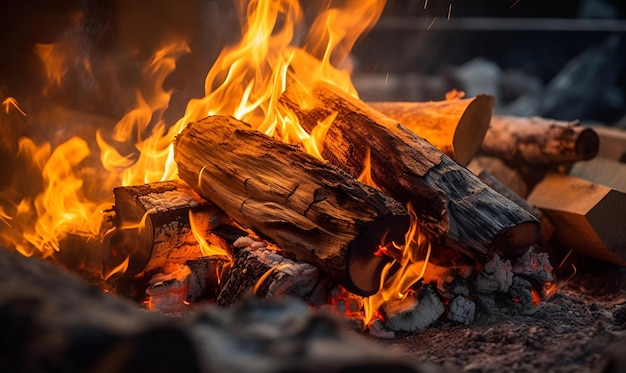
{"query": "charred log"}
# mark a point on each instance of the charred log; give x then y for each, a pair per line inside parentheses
(311, 210)
(153, 226)
(450, 202)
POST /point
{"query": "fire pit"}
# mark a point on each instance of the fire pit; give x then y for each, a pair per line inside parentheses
(282, 209)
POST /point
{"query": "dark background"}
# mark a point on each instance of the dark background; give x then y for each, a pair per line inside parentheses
(425, 44)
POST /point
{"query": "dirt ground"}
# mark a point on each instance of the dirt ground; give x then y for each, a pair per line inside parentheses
(569, 332)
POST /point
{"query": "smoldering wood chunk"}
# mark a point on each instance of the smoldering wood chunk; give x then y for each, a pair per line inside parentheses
(451, 203)
(588, 217)
(535, 141)
(310, 209)
(153, 226)
(414, 311)
(496, 276)
(204, 281)
(461, 310)
(457, 127)
(264, 273)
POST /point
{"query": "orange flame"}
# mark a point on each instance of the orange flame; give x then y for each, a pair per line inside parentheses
(245, 81)
(411, 269)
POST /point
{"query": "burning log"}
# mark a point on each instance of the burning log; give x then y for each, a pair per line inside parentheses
(588, 217)
(457, 127)
(153, 226)
(450, 201)
(310, 209)
(414, 311)
(521, 141)
(259, 270)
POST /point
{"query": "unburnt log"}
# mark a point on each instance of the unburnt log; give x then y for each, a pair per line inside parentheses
(457, 127)
(588, 217)
(310, 209)
(153, 225)
(450, 202)
(521, 141)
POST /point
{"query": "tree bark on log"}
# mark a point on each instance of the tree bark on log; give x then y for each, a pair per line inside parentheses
(153, 227)
(457, 127)
(450, 201)
(521, 141)
(311, 210)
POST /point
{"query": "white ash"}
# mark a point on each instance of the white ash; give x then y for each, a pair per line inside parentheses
(377, 329)
(168, 292)
(461, 310)
(168, 200)
(343, 302)
(496, 276)
(535, 266)
(521, 293)
(414, 311)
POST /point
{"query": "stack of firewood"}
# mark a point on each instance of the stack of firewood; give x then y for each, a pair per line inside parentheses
(282, 222)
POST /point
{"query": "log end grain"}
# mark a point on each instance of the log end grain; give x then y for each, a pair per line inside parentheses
(587, 144)
(472, 128)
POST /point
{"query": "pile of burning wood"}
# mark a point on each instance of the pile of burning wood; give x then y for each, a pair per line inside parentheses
(394, 200)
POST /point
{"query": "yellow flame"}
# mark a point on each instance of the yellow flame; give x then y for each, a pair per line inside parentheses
(206, 247)
(245, 81)
(366, 175)
(411, 269)
(121, 268)
(10, 101)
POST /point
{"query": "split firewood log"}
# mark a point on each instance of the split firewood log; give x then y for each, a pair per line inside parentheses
(603, 171)
(588, 217)
(522, 141)
(153, 225)
(457, 127)
(450, 202)
(612, 143)
(310, 209)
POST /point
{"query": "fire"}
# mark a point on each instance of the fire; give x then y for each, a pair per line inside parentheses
(410, 269)
(75, 177)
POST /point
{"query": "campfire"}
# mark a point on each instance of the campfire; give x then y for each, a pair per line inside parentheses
(281, 184)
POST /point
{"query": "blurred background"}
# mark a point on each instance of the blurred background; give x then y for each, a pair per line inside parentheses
(557, 58)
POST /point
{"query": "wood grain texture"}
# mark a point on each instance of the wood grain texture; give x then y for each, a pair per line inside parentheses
(310, 209)
(450, 202)
(522, 141)
(457, 127)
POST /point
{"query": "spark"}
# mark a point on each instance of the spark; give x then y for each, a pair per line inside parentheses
(425, 3)
(564, 259)
(432, 22)
(10, 101)
(514, 4)
(450, 11)
(386, 78)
